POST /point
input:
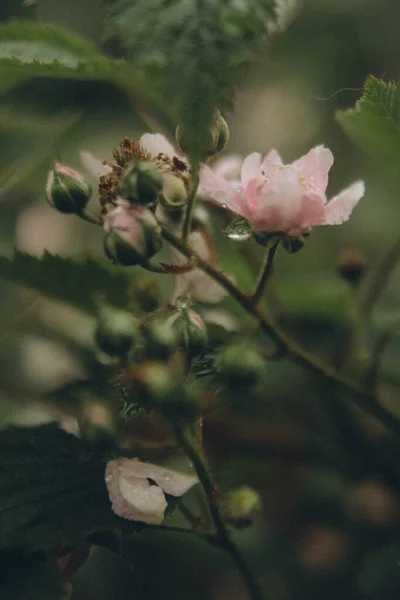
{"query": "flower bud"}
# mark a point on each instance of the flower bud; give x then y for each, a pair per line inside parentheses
(217, 137)
(141, 183)
(191, 330)
(161, 340)
(240, 365)
(133, 234)
(147, 294)
(242, 506)
(293, 245)
(67, 190)
(98, 422)
(159, 388)
(116, 331)
(352, 266)
(173, 197)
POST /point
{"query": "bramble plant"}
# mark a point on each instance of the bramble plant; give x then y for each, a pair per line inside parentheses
(179, 338)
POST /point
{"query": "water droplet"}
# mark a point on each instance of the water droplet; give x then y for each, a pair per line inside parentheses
(109, 478)
(167, 478)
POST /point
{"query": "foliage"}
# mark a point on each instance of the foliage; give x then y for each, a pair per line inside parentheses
(81, 281)
(374, 123)
(195, 55)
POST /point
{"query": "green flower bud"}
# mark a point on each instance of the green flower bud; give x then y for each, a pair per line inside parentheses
(116, 331)
(161, 389)
(161, 340)
(242, 506)
(141, 184)
(67, 190)
(240, 365)
(191, 330)
(352, 266)
(174, 195)
(147, 294)
(217, 138)
(133, 234)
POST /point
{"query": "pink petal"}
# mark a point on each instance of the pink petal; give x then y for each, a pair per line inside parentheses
(171, 482)
(339, 209)
(134, 498)
(94, 165)
(228, 167)
(250, 169)
(313, 168)
(154, 143)
(218, 189)
(271, 163)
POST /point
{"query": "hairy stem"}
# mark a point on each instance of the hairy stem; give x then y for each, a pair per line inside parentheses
(265, 273)
(211, 493)
(191, 201)
(364, 398)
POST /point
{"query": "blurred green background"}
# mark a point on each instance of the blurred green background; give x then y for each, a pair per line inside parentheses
(330, 525)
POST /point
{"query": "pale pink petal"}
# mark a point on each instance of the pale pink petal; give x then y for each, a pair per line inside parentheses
(271, 163)
(93, 165)
(250, 169)
(339, 209)
(313, 169)
(132, 497)
(154, 143)
(218, 189)
(173, 483)
(221, 317)
(228, 167)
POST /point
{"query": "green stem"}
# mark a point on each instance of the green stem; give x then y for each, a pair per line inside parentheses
(89, 218)
(191, 201)
(265, 273)
(381, 277)
(211, 493)
(364, 398)
(154, 268)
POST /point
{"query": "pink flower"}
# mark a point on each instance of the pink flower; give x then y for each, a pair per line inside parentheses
(130, 223)
(132, 495)
(275, 197)
(196, 284)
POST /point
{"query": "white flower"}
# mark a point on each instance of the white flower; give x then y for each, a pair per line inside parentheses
(132, 495)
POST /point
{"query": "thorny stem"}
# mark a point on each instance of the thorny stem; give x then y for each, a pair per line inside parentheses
(381, 277)
(211, 492)
(191, 201)
(364, 398)
(265, 273)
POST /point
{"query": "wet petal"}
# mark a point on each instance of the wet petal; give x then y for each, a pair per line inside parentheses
(133, 497)
(250, 169)
(271, 163)
(339, 209)
(171, 482)
(313, 168)
(218, 189)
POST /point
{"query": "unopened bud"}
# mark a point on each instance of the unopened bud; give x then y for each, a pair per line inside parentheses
(161, 340)
(116, 331)
(147, 294)
(161, 389)
(242, 506)
(352, 266)
(98, 422)
(217, 138)
(67, 190)
(240, 365)
(174, 194)
(133, 234)
(293, 245)
(191, 330)
(141, 184)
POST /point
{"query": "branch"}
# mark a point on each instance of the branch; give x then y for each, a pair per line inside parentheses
(265, 273)
(191, 201)
(364, 398)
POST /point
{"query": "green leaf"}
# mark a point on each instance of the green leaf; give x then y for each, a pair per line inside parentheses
(45, 43)
(74, 280)
(30, 577)
(52, 490)
(193, 53)
(374, 123)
